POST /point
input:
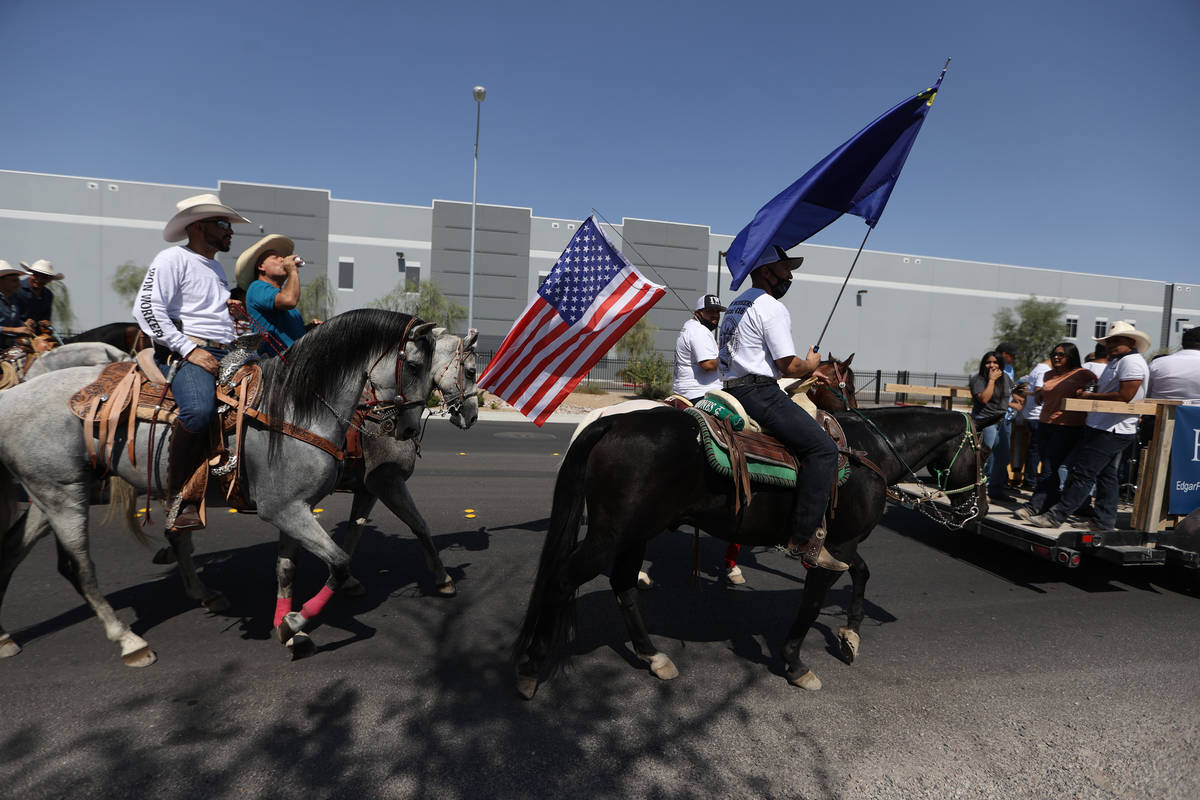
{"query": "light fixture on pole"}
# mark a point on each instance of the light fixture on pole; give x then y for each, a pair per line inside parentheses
(479, 93)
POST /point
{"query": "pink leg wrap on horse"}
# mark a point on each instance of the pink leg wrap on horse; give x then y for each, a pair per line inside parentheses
(731, 555)
(317, 604)
(283, 607)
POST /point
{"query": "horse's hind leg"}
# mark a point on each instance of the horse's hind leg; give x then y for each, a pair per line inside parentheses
(16, 544)
(816, 586)
(69, 521)
(181, 547)
(848, 637)
(399, 500)
(624, 582)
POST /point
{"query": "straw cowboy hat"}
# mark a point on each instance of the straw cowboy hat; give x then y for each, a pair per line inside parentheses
(1123, 328)
(195, 208)
(247, 262)
(7, 269)
(44, 268)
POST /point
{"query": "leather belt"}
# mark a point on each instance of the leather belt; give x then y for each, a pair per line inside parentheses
(746, 380)
(196, 340)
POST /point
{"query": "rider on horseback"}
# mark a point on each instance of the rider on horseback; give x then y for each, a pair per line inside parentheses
(12, 323)
(756, 349)
(267, 271)
(182, 308)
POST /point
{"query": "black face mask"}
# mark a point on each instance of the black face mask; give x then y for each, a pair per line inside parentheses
(712, 326)
(781, 288)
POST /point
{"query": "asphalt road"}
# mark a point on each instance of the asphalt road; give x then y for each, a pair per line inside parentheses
(982, 673)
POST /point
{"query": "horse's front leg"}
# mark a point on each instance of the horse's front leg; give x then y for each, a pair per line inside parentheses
(624, 582)
(393, 491)
(360, 512)
(298, 525)
(848, 637)
(816, 586)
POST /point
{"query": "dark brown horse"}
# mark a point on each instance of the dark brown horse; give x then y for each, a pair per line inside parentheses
(122, 335)
(644, 472)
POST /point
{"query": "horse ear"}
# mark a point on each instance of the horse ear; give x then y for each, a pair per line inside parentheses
(846, 363)
(438, 332)
(422, 330)
(472, 337)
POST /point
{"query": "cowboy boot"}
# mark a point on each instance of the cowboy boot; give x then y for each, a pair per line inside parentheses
(814, 554)
(187, 477)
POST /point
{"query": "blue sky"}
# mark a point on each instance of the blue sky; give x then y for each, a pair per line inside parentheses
(1065, 135)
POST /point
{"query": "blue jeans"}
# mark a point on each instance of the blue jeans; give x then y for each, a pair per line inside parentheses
(811, 446)
(1057, 442)
(995, 438)
(1094, 461)
(195, 391)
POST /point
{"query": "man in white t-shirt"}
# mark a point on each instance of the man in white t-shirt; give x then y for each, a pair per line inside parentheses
(755, 350)
(1108, 434)
(1177, 376)
(696, 351)
(182, 307)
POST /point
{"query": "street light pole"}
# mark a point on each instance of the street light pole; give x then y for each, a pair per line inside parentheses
(479, 93)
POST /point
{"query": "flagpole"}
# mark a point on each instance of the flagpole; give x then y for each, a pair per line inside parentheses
(817, 346)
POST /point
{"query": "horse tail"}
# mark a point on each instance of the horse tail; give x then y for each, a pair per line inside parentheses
(566, 516)
(122, 502)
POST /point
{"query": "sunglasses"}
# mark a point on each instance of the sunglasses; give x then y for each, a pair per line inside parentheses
(221, 223)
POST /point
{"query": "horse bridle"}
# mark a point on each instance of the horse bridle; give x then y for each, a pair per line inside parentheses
(453, 404)
(379, 416)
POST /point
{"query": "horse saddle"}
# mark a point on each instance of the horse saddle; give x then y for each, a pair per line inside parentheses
(734, 443)
(128, 391)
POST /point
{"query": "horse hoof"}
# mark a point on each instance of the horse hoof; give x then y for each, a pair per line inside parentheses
(447, 589)
(165, 555)
(353, 588)
(644, 581)
(734, 575)
(8, 646)
(661, 666)
(301, 646)
(526, 686)
(142, 657)
(215, 603)
(849, 640)
(808, 681)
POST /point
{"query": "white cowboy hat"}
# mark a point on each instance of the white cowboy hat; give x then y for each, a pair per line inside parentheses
(1123, 328)
(247, 262)
(44, 268)
(198, 207)
(7, 269)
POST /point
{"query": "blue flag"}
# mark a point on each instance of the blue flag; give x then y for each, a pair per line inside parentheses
(857, 178)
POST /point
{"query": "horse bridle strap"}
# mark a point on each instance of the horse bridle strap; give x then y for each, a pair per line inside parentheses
(287, 428)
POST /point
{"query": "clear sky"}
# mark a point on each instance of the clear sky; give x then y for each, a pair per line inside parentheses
(1065, 135)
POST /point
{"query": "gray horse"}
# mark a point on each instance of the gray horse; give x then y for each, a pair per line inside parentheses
(317, 388)
(83, 354)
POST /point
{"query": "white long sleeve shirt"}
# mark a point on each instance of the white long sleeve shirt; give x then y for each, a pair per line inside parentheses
(184, 285)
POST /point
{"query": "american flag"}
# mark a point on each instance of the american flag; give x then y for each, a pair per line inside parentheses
(591, 297)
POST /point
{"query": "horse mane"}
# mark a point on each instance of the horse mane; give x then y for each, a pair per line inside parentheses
(322, 361)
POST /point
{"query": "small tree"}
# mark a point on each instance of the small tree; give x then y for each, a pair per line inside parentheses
(61, 315)
(127, 280)
(316, 300)
(1033, 327)
(644, 367)
(428, 302)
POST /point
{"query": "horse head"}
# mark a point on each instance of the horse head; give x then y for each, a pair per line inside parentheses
(405, 379)
(837, 392)
(454, 370)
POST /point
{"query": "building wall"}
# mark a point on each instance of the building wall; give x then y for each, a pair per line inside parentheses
(914, 312)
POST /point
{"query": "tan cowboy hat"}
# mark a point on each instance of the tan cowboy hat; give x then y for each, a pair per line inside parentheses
(195, 208)
(247, 262)
(44, 268)
(8, 269)
(1123, 328)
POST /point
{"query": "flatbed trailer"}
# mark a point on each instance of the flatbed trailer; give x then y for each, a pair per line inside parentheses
(1145, 533)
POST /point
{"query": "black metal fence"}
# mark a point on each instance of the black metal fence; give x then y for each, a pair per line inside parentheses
(869, 384)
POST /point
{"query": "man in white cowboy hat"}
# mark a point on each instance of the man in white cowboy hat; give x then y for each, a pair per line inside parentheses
(34, 297)
(1094, 460)
(755, 349)
(267, 271)
(182, 307)
(13, 324)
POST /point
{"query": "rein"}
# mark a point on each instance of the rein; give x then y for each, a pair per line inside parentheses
(454, 404)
